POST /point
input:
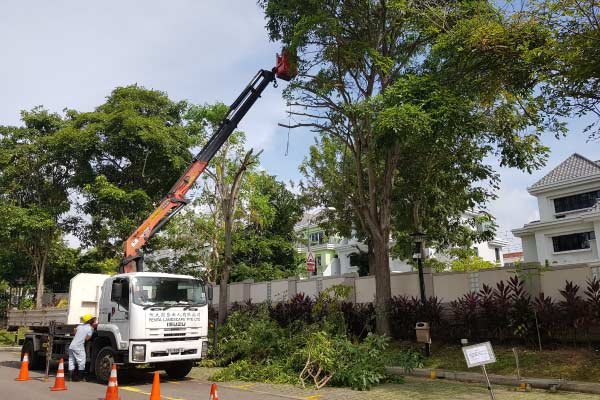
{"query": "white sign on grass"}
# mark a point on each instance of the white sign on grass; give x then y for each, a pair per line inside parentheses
(479, 354)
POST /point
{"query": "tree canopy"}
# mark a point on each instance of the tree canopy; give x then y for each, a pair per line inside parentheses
(127, 152)
(34, 192)
(383, 82)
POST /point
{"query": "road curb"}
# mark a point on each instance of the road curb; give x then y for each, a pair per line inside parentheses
(10, 348)
(473, 377)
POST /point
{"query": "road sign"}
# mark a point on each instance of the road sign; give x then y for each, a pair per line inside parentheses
(310, 262)
(479, 354)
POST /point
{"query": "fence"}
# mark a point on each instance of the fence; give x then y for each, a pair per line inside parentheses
(446, 286)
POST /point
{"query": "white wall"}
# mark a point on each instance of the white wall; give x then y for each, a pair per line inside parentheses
(279, 290)
(553, 281)
(487, 252)
(258, 292)
(545, 248)
(546, 203)
(529, 249)
(447, 286)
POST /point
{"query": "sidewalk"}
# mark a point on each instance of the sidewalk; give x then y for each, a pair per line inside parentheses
(474, 377)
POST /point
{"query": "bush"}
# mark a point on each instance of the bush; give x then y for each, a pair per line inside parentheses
(593, 299)
(330, 341)
(298, 308)
(573, 308)
(403, 313)
(250, 335)
(546, 312)
(406, 312)
(361, 366)
(466, 313)
(359, 318)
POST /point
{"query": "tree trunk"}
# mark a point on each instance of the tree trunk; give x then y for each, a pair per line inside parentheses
(383, 289)
(39, 296)
(223, 297)
(227, 264)
(371, 257)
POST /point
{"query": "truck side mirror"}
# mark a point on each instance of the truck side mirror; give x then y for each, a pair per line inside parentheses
(209, 292)
(117, 292)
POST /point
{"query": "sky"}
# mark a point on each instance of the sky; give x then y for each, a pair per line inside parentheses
(71, 54)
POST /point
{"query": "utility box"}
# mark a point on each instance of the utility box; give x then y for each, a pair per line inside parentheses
(423, 332)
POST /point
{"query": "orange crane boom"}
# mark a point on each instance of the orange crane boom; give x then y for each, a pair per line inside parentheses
(175, 200)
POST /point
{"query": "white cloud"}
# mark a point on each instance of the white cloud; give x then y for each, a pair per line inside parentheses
(513, 209)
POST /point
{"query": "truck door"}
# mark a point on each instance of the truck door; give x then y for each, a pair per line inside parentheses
(120, 306)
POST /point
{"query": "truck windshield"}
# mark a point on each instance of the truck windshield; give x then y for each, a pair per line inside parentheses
(165, 291)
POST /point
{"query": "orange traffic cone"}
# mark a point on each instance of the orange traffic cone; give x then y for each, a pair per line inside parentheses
(59, 383)
(112, 390)
(155, 393)
(24, 371)
(213, 392)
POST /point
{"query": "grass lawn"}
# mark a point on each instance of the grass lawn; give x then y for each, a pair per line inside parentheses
(579, 364)
(8, 338)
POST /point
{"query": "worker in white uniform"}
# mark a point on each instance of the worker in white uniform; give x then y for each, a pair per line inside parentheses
(83, 333)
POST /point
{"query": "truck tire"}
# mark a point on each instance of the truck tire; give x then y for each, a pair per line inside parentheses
(103, 363)
(35, 361)
(179, 370)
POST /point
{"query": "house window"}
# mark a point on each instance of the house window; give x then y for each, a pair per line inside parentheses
(576, 202)
(316, 237)
(497, 251)
(575, 241)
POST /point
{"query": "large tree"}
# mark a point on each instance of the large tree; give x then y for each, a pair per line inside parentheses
(222, 189)
(128, 153)
(572, 68)
(263, 241)
(264, 248)
(34, 193)
(352, 53)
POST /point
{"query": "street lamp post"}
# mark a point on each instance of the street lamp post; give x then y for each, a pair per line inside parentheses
(418, 238)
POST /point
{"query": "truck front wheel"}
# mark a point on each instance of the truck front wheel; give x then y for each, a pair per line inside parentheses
(179, 370)
(103, 363)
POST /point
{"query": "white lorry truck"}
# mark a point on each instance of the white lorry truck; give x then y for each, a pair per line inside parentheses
(156, 320)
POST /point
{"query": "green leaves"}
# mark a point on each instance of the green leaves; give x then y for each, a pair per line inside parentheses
(34, 192)
(128, 152)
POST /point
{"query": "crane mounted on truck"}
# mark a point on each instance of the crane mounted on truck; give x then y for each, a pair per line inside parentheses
(144, 318)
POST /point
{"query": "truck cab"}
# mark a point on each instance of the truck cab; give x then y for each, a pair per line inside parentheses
(151, 318)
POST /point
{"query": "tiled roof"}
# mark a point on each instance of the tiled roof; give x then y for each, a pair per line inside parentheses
(576, 166)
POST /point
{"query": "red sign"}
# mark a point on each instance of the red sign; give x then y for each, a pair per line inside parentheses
(310, 262)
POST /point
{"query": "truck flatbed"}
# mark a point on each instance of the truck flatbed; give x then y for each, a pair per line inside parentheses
(36, 320)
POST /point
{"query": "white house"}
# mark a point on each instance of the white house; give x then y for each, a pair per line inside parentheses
(336, 255)
(569, 215)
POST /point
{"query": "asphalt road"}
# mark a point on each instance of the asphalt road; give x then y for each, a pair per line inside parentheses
(132, 386)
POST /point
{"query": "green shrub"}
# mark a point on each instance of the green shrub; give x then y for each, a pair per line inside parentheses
(361, 366)
(253, 337)
(261, 343)
(407, 359)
